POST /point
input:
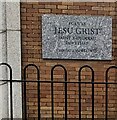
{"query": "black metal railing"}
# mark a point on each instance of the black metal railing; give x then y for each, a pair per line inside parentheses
(92, 82)
(52, 82)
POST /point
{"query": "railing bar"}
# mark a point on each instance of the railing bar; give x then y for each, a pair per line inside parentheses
(79, 94)
(25, 109)
(38, 88)
(65, 101)
(92, 82)
(93, 100)
(106, 97)
(106, 104)
(61, 82)
(106, 93)
(11, 90)
(52, 101)
(79, 101)
(65, 95)
(11, 96)
(52, 97)
(92, 93)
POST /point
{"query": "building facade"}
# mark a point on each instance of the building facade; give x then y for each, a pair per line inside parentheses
(21, 44)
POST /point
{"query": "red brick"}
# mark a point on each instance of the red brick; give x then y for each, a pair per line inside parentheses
(31, 15)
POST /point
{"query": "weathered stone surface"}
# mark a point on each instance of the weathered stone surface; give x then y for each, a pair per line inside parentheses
(76, 37)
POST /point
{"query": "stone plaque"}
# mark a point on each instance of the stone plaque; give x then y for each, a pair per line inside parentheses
(76, 37)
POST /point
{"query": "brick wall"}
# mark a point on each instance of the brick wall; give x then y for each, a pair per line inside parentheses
(32, 53)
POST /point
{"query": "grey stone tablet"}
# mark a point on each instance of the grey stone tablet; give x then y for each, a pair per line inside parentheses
(76, 37)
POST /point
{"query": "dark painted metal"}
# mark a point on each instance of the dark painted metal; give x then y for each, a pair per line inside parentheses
(106, 93)
(11, 81)
(52, 94)
(92, 82)
(11, 90)
(38, 89)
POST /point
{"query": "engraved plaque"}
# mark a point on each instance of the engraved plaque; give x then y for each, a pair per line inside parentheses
(76, 37)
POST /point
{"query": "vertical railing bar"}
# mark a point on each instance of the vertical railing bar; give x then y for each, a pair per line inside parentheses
(11, 90)
(79, 99)
(39, 115)
(92, 93)
(52, 97)
(106, 118)
(22, 89)
(106, 95)
(38, 90)
(79, 93)
(25, 109)
(92, 100)
(65, 94)
(11, 95)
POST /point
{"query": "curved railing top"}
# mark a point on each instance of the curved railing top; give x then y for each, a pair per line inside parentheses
(10, 69)
(86, 66)
(61, 66)
(107, 71)
(31, 65)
